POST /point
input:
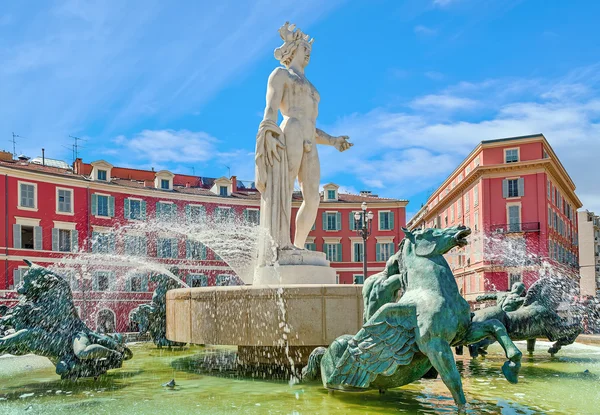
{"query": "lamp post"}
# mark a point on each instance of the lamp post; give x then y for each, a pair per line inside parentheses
(362, 223)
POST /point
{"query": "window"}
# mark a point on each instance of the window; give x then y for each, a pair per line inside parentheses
(511, 156)
(195, 250)
(384, 251)
(357, 252)
(514, 218)
(354, 224)
(333, 252)
(386, 221)
(136, 245)
(476, 196)
(476, 220)
(195, 213)
(27, 237)
(513, 188)
(103, 243)
(165, 184)
(166, 248)
(135, 209)
(102, 281)
(102, 175)
(331, 195)
(64, 200)
(311, 246)
(27, 195)
(332, 221)
(224, 280)
(252, 216)
(549, 217)
(166, 211)
(467, 202)
(548, 189)
(64, 240)
(222, 190)
(459, 208)
(197, 280)
(137, 283)
(102, 205)
(223, 214)
(358, 279)
(452, 214)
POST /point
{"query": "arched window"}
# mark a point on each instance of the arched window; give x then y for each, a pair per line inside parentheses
(106, 321)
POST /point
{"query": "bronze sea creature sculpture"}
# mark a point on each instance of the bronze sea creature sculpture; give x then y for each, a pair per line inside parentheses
(407, 339)
(152, 317)
(528, 318)
(45, 322)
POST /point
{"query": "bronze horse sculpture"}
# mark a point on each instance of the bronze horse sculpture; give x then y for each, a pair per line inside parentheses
(528, 318)
(405, 340)
(45, 322)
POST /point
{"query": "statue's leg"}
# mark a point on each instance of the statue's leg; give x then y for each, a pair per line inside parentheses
(480, 330)
(309, 177)
(84, 350)
(440, 355)
(530, 345)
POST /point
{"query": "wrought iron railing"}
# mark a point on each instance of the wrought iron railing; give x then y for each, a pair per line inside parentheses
(516, 227)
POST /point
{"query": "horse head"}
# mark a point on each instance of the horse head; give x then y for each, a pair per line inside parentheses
(433, 242)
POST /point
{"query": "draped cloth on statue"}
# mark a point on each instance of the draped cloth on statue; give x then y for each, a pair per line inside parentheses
(276, 195)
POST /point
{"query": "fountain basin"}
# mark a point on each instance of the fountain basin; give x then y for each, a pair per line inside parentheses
(268, 323)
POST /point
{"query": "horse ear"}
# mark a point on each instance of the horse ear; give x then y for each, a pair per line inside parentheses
(29, 263)
(424, 247)
(408, 235)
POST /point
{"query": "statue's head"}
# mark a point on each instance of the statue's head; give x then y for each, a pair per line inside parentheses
(432, 241)
(294, 42)
(40, 282)
(518, 288)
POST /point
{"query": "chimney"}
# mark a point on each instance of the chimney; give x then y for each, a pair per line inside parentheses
(78, 166)
(43, 157)
(187, 184)
(234, 183)
(365, 193)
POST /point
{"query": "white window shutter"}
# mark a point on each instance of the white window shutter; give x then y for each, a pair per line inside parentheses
(174, 253)
(74, 240)
(17, 236)
(338, 220)
(505, 188)
(54, 239)
(37, 238)
(521, 186)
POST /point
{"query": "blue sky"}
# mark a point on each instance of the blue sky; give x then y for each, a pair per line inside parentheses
(416, 84)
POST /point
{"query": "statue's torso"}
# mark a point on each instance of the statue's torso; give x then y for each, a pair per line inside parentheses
(300, 99)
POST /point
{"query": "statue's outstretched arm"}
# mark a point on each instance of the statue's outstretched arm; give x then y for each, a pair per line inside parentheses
(486, 297)
(341, 142)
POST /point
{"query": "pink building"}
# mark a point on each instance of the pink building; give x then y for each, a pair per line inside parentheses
(518, 198)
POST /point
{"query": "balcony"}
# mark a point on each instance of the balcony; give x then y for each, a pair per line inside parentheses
(516, 227)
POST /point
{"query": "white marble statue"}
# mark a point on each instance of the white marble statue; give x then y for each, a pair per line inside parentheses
(288, 151)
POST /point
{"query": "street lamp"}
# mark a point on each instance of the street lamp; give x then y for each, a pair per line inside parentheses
(362, 223)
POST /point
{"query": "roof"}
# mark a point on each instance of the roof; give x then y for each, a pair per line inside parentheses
(51, 163)
(519, 137)
(243, 190)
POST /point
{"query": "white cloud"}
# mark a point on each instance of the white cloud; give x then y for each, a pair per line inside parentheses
(166, 146)
(443, 102)
(424, 30)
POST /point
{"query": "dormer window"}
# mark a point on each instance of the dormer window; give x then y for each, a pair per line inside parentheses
(222, 187)
(164, 180)
(101, 171)
(330, 192)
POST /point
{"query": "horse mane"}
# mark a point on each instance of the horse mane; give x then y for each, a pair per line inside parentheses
(397, 266)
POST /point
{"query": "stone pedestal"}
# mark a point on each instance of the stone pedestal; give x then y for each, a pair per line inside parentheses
(296, 267)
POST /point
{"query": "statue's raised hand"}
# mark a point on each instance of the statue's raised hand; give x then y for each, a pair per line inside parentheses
(272, 146)
(342, 143)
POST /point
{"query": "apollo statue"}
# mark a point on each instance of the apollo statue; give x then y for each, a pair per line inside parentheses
(288, 151)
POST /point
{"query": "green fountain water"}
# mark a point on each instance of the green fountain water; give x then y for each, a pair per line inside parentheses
(558, 385)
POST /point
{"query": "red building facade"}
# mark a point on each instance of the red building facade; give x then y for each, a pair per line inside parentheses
(78, 219)
(521, 205)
